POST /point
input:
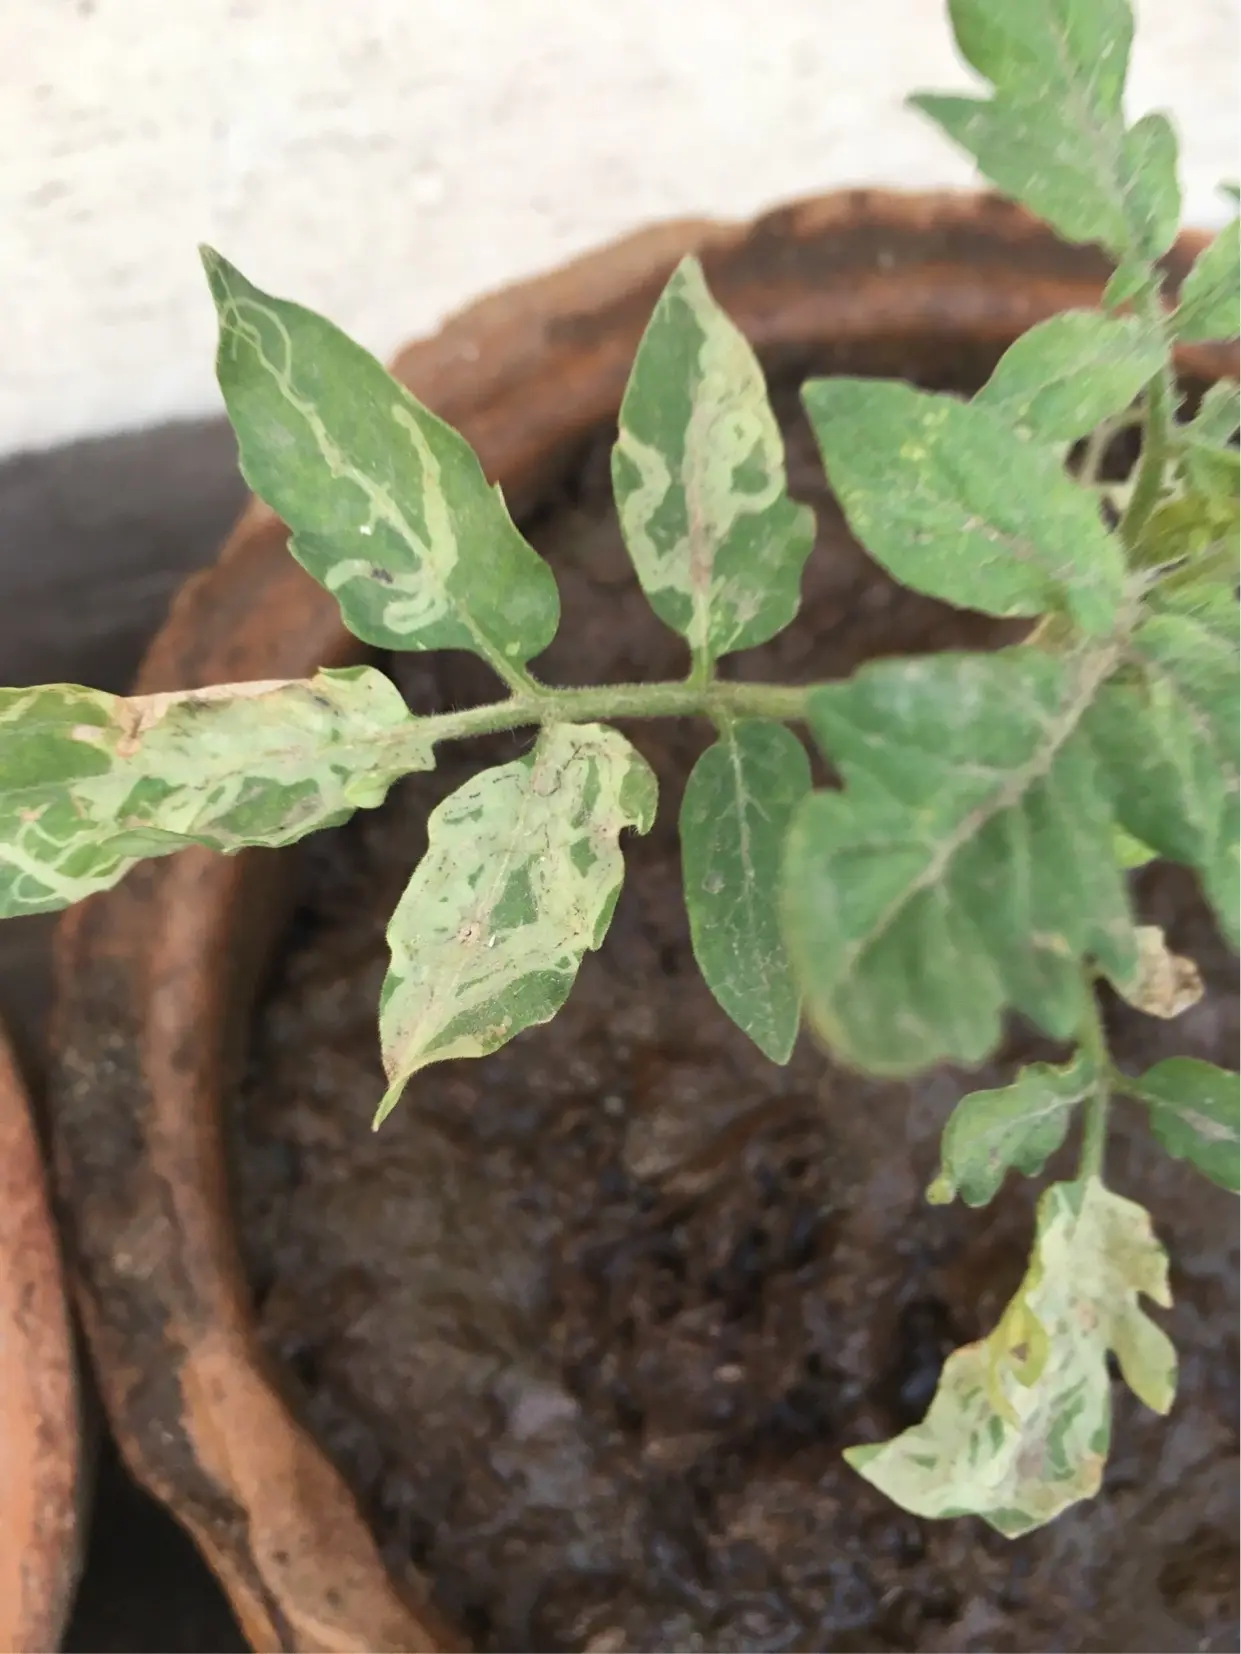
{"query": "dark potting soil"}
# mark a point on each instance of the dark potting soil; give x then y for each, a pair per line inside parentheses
(587, 1324)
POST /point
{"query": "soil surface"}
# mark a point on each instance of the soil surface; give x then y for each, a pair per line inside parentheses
(587, 1324)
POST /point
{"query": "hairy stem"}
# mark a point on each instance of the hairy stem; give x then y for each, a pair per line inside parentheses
(544, 705)
(1094, 1125)
(1161, 400)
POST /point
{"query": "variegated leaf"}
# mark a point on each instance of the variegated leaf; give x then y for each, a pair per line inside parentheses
(388, 506)
(91, 783)
(1020, 1425)
(698, 473)
(520, 877)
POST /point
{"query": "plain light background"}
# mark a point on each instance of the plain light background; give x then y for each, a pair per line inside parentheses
(385, 161)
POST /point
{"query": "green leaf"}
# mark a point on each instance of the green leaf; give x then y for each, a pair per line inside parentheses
(1079, 46)
(1208, 457)
(388, 506)
(520, 877)
(1130, 852)
(1152, 194)
(1020, 1425)
(1092, 194)
(92, 783)
(1231, 192)
(1214, 474)
(1167, 731)
(1211, 292)
(1054, 135)
(1218, 416)
(738, 803)
(1020, 1126)
(968, 865)
(957, 505)
(698, 473)
(1194, 1114)
(1189, 526)
(1130, 277)
(1070, 373)
(1212, 605)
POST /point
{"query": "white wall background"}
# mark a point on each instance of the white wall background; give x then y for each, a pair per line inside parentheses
(387, 160)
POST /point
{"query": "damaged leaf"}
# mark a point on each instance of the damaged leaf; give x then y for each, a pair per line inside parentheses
(91, 783)
(1020, 1425)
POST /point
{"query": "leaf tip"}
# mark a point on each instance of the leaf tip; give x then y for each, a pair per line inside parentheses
(942, 1192)
(214, 264)
(388, 1101)
(689, 272)
(857, 1458)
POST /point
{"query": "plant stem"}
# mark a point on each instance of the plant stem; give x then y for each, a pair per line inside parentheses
(545, 705)
(1094, 1125)
(702, 669)
(1160, 413)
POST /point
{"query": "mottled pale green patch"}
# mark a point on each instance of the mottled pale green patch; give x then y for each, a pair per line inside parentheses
(1019, 1127)
(956, 504)
(738, 803)
(968, 866)
(1195, 1112)
(1168, 732)
(1054, 134)
(388, 506)
(1020, 1424)
(699, 477)
(1070, 373)
(520, 877)
(91, 783)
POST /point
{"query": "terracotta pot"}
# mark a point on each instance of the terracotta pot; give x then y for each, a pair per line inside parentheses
(156, 978)
(41, 1482)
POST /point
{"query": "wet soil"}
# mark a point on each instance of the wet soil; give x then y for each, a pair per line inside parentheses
(587, 1325)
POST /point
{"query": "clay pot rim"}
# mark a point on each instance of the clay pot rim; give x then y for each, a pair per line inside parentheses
(41, 1447)
(159, 1280)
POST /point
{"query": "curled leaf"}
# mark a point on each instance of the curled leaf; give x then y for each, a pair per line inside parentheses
(521, 874)
(91, 783)
(1164, 984)
(1019, 1126)
(1020, 1425)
